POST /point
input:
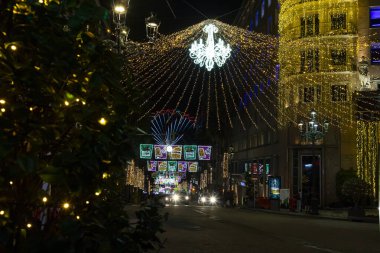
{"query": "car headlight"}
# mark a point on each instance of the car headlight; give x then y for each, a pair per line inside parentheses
(203, 199)
(212, 200)
(187, 198)
(166, 199)
(175, 197)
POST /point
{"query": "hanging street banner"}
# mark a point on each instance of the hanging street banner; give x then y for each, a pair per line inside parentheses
(162, 165)
(146, 151)
(176, 153)
(160, 152)
(182, 166)
(204, 152)
(193, 166)
(152, 165)
(190, 152)
(172, 165)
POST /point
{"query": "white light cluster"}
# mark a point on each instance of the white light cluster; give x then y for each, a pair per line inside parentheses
(211, 53)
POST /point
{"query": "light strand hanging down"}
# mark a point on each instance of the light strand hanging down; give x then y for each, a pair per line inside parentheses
(211, 53)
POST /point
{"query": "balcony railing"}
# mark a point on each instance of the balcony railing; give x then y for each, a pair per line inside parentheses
(324, 30)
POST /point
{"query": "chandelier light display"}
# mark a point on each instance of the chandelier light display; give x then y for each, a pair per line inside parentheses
(210, 53)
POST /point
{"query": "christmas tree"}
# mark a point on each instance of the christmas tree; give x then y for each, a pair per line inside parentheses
(64, 137)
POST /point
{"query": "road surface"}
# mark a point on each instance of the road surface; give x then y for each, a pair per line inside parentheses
(208, 229)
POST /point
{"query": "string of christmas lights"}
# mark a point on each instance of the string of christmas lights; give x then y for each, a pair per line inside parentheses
(252, 69)
(320, 53)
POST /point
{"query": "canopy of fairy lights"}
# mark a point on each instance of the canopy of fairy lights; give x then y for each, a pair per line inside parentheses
(236, 92)
(244, 89)
(324, 57)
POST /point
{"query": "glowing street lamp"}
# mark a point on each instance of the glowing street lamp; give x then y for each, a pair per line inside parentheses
(120, 9)
(313, 130)
(120, 12)
(152, 24)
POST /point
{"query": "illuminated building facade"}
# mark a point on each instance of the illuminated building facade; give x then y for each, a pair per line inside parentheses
(257, 149)
(329, 62)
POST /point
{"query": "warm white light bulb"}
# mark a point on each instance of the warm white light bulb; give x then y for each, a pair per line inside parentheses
(102, 121)
(119, 9)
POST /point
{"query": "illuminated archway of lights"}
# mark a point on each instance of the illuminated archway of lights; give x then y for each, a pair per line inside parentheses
(169, 126)
(236, 93)
(244, 91)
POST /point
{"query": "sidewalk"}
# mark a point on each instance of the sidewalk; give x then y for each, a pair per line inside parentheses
(371, 215)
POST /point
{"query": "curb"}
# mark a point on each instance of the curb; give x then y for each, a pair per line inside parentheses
(343, 216)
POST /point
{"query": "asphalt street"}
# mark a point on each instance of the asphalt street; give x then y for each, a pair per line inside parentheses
(198, 229)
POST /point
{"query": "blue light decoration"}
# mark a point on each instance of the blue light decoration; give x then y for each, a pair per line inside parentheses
(375, 53)
(274, 187)
(374, 17)
(169, 126)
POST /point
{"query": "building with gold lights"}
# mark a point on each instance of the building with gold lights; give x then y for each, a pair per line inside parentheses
(329, 58)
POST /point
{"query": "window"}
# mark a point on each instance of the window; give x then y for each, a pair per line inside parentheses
(250, 27)
(338, 21)
(257, 18)
(269, 3)
(311, 94)
(262, 8)
(308, 94)
(261, 139)
(375, 53)
(310, 61)
(339, 93)
(269, 25)
(338, 57)
(309, 25)
(374, 17)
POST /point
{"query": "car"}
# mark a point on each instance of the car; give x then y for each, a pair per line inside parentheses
(177, 199)
(208, 200)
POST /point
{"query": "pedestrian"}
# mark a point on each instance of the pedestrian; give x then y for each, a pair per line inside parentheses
(306, 202)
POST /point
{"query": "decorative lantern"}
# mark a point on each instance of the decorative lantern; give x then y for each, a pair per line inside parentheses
(152, 23)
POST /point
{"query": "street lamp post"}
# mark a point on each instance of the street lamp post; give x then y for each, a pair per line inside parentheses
(313, 131)
(151, 24)
(120, 9)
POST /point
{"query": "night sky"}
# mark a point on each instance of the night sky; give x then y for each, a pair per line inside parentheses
(185, 15)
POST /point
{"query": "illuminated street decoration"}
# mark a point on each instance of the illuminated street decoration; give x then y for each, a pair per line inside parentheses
(211, 53)
(248, 80)
(169, 126)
